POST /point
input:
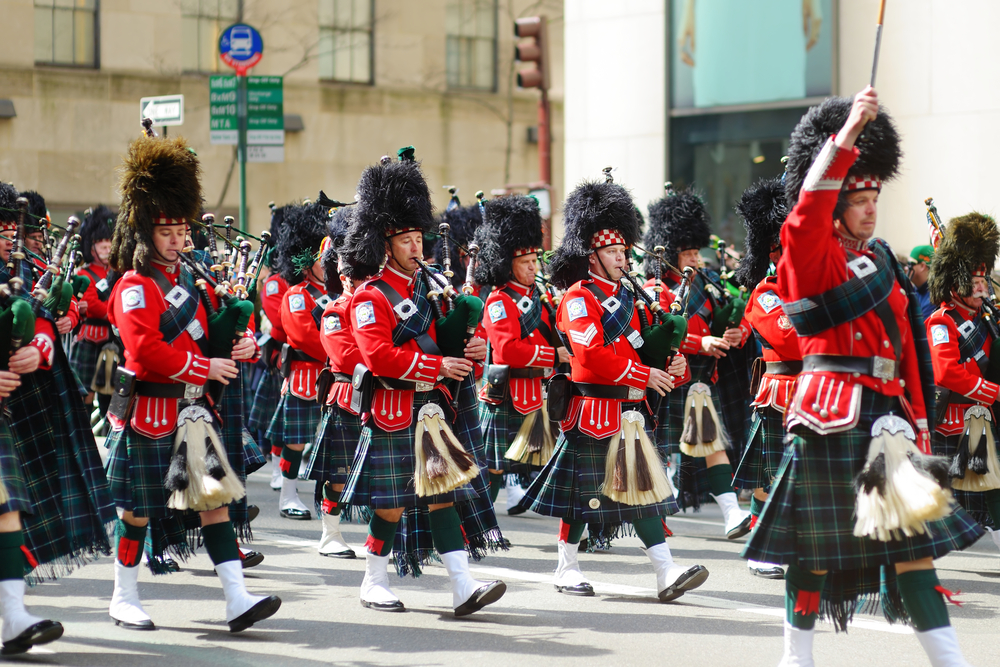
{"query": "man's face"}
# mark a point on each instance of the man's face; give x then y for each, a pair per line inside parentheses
(919, 273)
(35, 242)
(689, 258)
(168, 241)
(979, 292)
(404, 248)
(6, 245)
(775, 255)
(859, 217)
(101, 250)
(612, 258)
(524, 268)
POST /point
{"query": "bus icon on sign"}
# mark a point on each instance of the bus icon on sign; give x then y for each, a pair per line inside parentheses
(241, 41)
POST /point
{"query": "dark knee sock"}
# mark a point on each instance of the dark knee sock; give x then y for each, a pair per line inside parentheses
(130, 541)
(650, 531)
(922, 599)
(331, 500)
(720, 479)
(571, 530)
(992, 498)
(290, 461)
(802, 593)
(12, 556)
(756, 506)
(380, 536)
(103, 401)
(496, 483)
(446, 530)
(220, 542)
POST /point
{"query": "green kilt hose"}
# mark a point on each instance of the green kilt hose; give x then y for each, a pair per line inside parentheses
(83, 360)
(71, 508)
(763, 452)
(336, 441)
(568, 486)
(295, 421)
(809, 518)
(973, 502)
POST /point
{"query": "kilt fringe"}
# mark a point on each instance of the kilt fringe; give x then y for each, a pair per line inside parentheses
(490, 542)
(94, 548)
(600, 536)
(870, 591)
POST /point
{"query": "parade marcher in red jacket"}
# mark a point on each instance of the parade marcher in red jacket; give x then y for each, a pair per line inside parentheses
(39, 224)
(604, 409)
(859, 411)
(303, 356)
(763, 210)
(962, 333)
(167, 464)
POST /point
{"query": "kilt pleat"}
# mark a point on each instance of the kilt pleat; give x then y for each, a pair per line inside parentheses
(764, 449)
(265, 399)
(499, 425)
(12, 475)
(83, 361)
(242, 450)
(297, 420)
(733, 389)
(336, 441)
(973, 502)
(808, 519)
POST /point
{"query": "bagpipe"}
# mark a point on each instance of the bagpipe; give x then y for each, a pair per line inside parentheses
(17, 307)
(727, 307)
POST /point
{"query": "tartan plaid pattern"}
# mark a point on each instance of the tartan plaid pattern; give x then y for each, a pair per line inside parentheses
(764, 450)
(733, 388)
(295, 421)
(241, 449)
(11, 475)
(499, 424)
(617, 322)
(336, 440)
(973, 502)
(266, 396)
(83, 361)
(809, 517)
(571, 480)
(72, 512)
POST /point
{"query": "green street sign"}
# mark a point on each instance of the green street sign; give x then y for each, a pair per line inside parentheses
(265, 115)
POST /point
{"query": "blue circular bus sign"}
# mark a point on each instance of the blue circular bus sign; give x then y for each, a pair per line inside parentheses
(241, 47)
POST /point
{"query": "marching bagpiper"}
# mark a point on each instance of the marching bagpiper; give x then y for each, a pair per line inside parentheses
(859, 414)
(605, 470)
(410, 456)
(962, 334)
(763, 210)
(167, 461)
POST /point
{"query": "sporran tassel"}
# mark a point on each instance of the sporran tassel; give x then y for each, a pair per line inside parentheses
(981, 469)
(442, 463)
(104, 373)
(690, 432)
(703, 433)
(621, 467)
(708, 431)
(211, 481)
(533, 443)
(633, 471)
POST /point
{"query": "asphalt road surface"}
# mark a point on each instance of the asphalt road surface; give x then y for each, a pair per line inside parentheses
(734, 618)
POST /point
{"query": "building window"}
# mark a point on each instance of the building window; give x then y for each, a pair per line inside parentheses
(345, 40)
(472, 44)
(66, 32)
(202, 22)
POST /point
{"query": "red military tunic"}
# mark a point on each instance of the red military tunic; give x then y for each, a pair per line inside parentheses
(341, 348)
(92, 330)
(271, 297)
(508, 348)
(579, 316)
(135, 308)
(767, 317)
(302, 334)
(374, 320)
(815, 260)
(961, 376)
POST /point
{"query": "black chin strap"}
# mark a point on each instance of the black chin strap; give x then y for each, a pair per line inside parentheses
(607, 274)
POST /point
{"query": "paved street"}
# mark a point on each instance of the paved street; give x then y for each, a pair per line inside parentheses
(733, 619)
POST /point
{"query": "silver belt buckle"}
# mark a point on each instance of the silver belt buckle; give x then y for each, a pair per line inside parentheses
(193, 392)
(635, 394)
(424, 386)
(884, 369)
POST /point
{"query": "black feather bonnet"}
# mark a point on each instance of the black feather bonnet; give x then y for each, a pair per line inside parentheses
(98, 225)
(969, 247)
(763, 210)
(513, 225)
(302, 231)
(679, 221)
(463, 222)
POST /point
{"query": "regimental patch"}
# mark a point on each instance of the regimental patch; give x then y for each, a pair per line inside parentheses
(862, 266)
(584, 337)
(331, 323)
(102, 285)
(769, 301)
(939, 334)
(576, 308)
(784, 323)
(296, 302)
(271, 288)
(364, 314)
(132, 298)
(176, 296)
(497, 312)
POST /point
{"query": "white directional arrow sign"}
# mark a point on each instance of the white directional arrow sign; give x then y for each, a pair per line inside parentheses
(164, 111)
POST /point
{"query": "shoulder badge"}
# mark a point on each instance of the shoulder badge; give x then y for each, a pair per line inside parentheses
(769, 301)
(132, 298)
(939, 334)
(497, 311)
(296, 302)
(784, 323)
(364, 314)
(331, 323)
(272, 287)
(576, 308)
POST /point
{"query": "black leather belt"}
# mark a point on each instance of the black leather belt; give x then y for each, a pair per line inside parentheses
(880, 368)
(299, 355)
(522, 373)
(404, 385)
(610, 391)
(168, 389)
(94, 322)
(783, 367)
(341, 377)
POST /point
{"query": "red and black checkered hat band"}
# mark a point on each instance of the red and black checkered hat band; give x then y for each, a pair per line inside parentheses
(521, 252)
(980, 271)
(866, 182)
(164, 221)
(8, 226)
(605, 238)
(396, 231)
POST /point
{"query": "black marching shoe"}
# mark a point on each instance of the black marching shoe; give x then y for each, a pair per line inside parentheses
(42, 632)
(251, 558)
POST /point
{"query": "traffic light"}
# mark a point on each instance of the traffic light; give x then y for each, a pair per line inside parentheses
(536, 51)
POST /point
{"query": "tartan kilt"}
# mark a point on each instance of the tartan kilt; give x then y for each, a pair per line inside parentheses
(571, 481)
(763, 452)
(809, 517)
(337, 439)
(266, 396)
(733, 389)
(244, 455)
(83, 361)
(71, 509)
(11, 474)
(973, 502)
(295, 421)
(500, 424)
(690, 478)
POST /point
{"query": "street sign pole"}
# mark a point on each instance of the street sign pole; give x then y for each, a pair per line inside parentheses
(241, 87)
